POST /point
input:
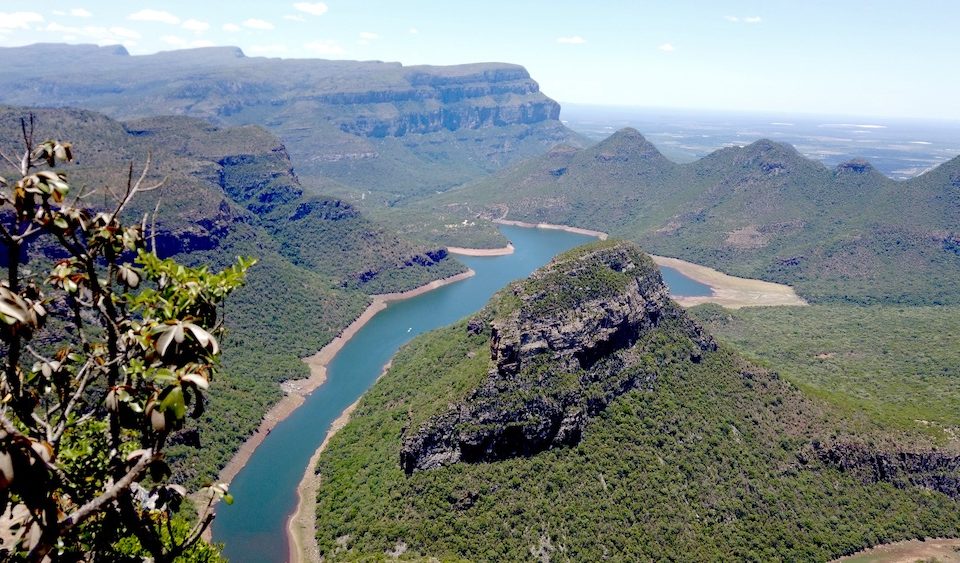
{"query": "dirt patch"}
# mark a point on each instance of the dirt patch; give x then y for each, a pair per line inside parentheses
(943, 550)
(746, 238)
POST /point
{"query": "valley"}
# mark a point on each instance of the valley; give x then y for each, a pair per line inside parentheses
(760, 362)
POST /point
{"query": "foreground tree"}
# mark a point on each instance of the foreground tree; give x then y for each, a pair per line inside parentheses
(106, 347)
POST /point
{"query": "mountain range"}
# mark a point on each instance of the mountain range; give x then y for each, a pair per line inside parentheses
(843, 234)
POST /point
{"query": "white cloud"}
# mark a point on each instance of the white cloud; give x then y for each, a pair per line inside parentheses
(254, 23)
(147, 15)
(174, 40)
(324, 47)
(196, 26)
(276, 49)
(572, 40)
(413, 31)
(666, 48)
(59, 13)
(231, 27)
(19, 20)
(368, 36)
(294, 18)
(312, 8)
(80, 13)
(96, 34)
(747, 19)
(124, 32)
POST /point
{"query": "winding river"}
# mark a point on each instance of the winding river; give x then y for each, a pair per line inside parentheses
(254, 527)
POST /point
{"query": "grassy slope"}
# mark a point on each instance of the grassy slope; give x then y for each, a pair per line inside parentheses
(843, 235)
(703, 468)
(899, 365)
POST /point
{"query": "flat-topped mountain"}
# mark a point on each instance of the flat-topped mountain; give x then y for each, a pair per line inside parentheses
(584, 415)
(762, 210)
(368, 125)
(559, 349)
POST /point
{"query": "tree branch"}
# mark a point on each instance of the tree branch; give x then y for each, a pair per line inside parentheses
(123, 484)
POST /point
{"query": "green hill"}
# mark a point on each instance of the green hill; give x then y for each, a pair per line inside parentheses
(847, 234)
(582, 415)
(231, 192)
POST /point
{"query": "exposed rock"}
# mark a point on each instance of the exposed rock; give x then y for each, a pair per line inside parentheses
(931, 469)
(559, 355)
(855, 166)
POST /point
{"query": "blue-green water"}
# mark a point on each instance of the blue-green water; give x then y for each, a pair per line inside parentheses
(254, 527)
(680, 284)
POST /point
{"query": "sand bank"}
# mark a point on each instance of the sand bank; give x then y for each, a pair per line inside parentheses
(481, 251)
(302, 525)
(550, 226)
(730, 291)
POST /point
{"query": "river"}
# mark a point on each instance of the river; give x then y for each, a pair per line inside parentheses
(254, 527)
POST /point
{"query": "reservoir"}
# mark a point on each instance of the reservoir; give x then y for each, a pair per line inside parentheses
(254, 527)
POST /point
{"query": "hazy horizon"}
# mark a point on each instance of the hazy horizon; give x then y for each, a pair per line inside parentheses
(850, 58)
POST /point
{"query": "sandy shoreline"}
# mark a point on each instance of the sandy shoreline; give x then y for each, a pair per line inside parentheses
(302, 526)
(730, 291)
(552, 227)
(297, 390)
(462, 251)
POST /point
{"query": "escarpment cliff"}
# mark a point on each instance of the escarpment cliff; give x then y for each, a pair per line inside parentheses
(934, 470)
(563, 345)
(368, 125)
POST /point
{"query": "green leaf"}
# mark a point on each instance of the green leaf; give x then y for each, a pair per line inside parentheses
(171, 401)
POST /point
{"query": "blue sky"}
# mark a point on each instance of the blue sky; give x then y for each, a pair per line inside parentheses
(845, 57)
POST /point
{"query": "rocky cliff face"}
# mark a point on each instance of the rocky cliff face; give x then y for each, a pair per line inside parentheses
(368, 125)
(562, 347)
(933, 470)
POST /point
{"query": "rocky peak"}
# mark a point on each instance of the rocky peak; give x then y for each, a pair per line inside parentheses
(625, 144)
(856, 166)
(561, 349)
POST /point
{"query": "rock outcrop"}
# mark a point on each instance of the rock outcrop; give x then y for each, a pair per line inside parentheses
(561, 349)
(933, 470)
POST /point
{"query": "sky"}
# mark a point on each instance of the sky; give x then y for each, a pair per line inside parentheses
(842, 57)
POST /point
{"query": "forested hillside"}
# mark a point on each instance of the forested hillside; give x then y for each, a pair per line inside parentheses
(847, 234)
(641, 440)
(231, 192)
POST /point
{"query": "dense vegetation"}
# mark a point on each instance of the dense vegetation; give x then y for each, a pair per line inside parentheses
(899, 365)
(228, 193)
(704, 467)
(106, 347)
(843, 235)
